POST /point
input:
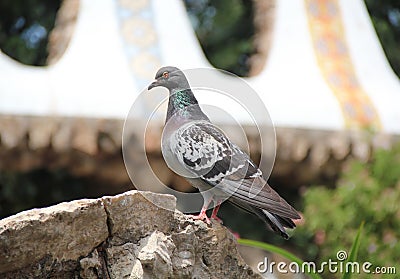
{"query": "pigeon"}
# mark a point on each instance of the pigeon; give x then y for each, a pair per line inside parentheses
(213, 162)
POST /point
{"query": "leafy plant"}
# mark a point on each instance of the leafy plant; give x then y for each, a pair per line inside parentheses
(365, 192)
(274, 249)
(354, 251)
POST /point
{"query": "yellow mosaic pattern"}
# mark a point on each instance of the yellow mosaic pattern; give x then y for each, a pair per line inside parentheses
(330, 47)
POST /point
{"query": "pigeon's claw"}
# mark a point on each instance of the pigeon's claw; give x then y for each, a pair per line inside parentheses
(201, 216)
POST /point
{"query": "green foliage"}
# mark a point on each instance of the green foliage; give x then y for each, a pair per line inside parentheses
(277, 250)
(353, 255)
(24, 29)
(365, 192)
(21, 191)
(385, 16)
(293, 258)
(224, 29)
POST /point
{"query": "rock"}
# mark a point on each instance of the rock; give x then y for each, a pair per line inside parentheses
(132, 235)
(145, 212)
(62, 232)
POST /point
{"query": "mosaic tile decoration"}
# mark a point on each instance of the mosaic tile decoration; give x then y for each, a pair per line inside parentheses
(333, 57)
(137, 29)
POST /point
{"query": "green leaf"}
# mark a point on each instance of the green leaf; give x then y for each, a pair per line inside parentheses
(277, 250)
(354, 251)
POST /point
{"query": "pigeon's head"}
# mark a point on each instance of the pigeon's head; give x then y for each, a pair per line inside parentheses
(170, 78)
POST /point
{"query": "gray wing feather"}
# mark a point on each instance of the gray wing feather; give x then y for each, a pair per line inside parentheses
(206, 151)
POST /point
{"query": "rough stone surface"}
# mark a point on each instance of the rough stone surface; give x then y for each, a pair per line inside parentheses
(64, 232)
(124, 236)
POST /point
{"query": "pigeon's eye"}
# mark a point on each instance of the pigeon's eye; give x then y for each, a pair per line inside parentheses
(165, 74)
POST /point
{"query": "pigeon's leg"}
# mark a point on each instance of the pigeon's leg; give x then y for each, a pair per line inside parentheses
(215, 211)
(203, 215)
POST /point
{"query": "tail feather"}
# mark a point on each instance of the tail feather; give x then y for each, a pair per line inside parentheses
(286, 222)
(274, 221)
(277, 223)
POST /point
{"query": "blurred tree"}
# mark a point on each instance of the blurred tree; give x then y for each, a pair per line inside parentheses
(224, 29)
(385, 15)
(21, 191)
(24, 29)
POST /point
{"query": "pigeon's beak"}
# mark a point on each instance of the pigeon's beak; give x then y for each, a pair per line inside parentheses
(153, 84)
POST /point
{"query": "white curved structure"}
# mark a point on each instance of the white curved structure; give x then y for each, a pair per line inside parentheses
(326, 68)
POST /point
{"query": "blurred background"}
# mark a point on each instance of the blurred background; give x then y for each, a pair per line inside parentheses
(336, 175)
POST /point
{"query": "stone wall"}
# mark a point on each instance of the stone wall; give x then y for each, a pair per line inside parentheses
(88, 147)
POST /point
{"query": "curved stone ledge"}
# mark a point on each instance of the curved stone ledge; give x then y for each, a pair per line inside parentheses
(89, 147)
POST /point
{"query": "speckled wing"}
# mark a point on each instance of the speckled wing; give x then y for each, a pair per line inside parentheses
(203, 149)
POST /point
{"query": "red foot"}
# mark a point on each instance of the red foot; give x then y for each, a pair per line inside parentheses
(201, 216)
(214, 213)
